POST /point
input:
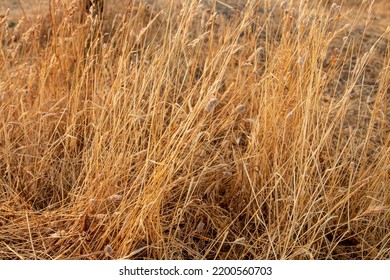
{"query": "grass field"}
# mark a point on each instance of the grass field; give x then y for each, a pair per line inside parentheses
(187, 130)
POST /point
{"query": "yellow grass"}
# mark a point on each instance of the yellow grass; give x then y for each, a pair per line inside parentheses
(172, 132)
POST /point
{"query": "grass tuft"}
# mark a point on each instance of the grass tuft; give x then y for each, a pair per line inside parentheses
(182, 130)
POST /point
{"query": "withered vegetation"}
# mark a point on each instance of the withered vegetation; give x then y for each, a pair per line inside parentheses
(183, 130)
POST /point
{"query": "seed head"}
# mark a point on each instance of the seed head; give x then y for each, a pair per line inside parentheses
(335, 8)
(305, 21)
(115, 197)
(211, 104)
(100, 217)
(247, 64)
(301, 60)
(227, 174)
(240, 108)
(200, 227)
(108, 251)
(294, 12)
(351, 166)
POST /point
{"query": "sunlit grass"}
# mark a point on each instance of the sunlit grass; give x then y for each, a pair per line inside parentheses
(173, 132)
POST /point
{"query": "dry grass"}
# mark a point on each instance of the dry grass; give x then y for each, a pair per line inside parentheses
(168, 132)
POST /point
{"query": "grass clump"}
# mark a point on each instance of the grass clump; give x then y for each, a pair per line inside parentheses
(187, 131)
